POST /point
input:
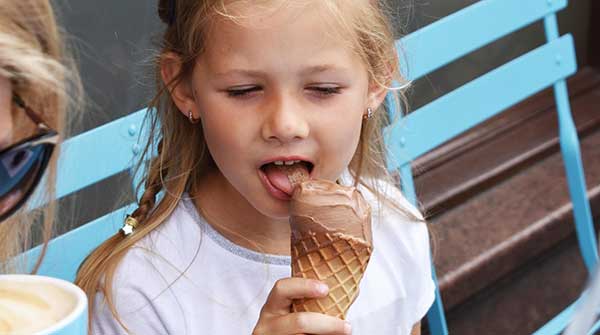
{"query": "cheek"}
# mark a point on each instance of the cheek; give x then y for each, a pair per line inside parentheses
(338, 145)
(222, 138)
(228, 139)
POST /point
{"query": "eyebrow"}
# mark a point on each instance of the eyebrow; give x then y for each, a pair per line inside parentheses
(308, 71)
(246, 73)
(322, 68)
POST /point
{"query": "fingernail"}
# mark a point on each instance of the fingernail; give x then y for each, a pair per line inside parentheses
(347, 328)
(322, 288)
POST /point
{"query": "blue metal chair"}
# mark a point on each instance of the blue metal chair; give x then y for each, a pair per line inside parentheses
(110, 149)
(85, 160)
(452, 114)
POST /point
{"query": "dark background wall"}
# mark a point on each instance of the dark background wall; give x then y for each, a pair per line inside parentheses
(414, 14)
(114, 41)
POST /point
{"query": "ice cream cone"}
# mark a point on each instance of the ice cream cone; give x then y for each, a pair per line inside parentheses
(331, 242)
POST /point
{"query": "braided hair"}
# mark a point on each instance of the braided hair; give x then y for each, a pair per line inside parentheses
(181, 159)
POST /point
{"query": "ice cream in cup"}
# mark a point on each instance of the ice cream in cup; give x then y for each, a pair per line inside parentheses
(39, 305)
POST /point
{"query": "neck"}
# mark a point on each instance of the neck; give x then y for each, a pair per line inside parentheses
(228, 212)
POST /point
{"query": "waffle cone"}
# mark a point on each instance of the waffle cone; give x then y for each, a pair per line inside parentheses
(331, 242)
(335, 259)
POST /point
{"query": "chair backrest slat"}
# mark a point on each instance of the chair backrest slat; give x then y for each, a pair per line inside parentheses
(480, 99)
(99, 153)
(456, 35)
(66, 252)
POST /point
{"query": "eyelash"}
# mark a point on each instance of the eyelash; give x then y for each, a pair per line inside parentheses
(323, 91)
(241, 92)
(328, 90)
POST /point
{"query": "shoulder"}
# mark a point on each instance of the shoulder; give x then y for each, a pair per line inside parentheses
(172, 245)
(402, 246)
(400, 228)
(391, 200)
(393, 213)
(132, 297)
(142, 282)
(373, 189)
(167, 250)
(395, 220)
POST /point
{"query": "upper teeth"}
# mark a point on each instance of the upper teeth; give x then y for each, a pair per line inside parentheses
(286, 162)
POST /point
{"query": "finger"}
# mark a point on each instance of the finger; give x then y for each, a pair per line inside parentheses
(287, 289)
(309, 323)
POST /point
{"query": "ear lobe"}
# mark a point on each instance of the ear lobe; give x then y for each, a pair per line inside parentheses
(180, 91)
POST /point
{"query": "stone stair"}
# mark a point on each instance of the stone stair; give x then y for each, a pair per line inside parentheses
(500, 215)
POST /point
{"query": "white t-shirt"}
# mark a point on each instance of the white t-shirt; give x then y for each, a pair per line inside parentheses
(186, 278)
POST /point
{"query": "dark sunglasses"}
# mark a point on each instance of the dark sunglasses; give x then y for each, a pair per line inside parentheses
(23, 164)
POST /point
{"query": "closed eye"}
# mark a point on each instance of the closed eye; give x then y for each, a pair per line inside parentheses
(326, 90)
(242, 91)
(319, 90)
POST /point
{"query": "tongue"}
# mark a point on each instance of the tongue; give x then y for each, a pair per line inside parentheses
(284, 176)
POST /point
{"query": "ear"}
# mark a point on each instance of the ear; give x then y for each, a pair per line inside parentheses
(376, 95)
(181, 92)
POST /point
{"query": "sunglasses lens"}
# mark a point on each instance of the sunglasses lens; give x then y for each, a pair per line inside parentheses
(20, 171)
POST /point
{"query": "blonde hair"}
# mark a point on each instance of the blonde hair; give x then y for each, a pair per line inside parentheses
(181, 162)
(32, 58)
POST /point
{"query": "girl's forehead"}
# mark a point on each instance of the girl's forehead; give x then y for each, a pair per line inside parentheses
(261, 14)
(291, 29)
(328, 17)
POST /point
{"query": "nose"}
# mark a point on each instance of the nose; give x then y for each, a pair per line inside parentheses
(6, 129)
(285, 121)
(6, 122)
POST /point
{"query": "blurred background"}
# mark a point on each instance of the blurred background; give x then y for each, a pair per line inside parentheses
(496, 197)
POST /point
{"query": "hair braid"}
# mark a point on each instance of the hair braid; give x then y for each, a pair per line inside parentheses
(116, 246)
(153, 185)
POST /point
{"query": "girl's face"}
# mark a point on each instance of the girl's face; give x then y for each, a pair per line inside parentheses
(279, 86)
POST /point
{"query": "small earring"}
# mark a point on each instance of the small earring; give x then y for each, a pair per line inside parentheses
(191, 117)
(369, 113)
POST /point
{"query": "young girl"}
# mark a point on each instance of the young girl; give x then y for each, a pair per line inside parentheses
(248, 84)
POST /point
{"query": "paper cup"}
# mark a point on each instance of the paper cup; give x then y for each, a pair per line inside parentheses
(39, 305)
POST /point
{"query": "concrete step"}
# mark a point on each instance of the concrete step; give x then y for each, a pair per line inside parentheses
(502, 146)
(501, 229)
(520, 303)
(501, 217)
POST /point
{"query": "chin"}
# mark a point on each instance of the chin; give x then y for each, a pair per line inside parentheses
(273, 208)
